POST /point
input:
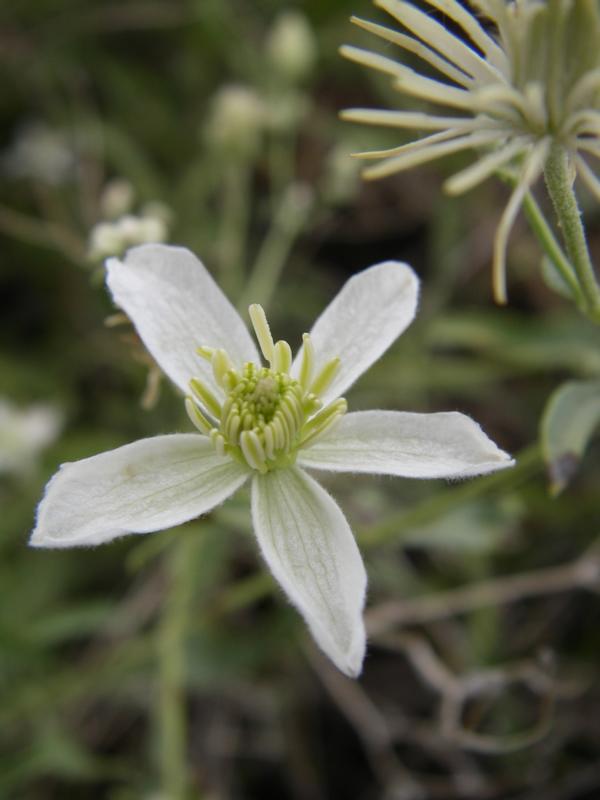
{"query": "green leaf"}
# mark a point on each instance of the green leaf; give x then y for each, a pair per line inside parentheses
(568, 422)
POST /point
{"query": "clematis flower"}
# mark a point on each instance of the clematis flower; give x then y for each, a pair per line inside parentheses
(520, 95)
(266, 423)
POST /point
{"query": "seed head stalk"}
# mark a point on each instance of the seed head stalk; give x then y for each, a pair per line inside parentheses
(559, 181)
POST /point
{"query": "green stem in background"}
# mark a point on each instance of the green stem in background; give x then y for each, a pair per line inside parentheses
(551, 246)
(288, 221)
(235, 213)
(528, 463)
(171, 660)
(53, 235)
(560, 188)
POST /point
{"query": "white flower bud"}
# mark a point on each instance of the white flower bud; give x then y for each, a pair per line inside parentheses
(236, 120)
(291, 46)
(117, 198)
(105, 240)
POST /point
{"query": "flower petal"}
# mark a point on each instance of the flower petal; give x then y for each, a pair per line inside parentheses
(310, 549)
(443, 445)
(141, 487)
(176, 307)
(361, 322)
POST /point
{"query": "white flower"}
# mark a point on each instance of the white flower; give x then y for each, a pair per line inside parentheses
(24, 433)
(533, 87)
(266, 425)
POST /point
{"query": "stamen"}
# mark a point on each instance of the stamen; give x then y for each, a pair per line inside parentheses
(197, 417)
(308, 361)
(266, 414)
(205, 352)
(325, 377)
(323, 421)
(253, 450)
(282, 357)
(218, 441)
(206, 397)
(222, 365)
(262, 331)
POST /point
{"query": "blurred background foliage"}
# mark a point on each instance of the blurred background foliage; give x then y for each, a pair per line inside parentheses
(170, 666)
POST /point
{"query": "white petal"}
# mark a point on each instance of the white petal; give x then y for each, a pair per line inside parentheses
(444, 445)
(176, 307)
(309, 547)
(141, 487)
(361, 322)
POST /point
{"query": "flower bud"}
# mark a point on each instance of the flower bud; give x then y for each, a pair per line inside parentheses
(291, 46)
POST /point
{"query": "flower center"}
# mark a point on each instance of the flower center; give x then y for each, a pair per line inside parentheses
(266, 415)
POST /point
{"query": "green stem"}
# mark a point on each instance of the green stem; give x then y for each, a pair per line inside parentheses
(171, 655)
(560, 187)
(550, 245)
(290, 218)
(233, 232)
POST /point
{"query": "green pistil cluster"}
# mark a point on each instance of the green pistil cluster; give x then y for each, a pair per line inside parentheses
(266, 415)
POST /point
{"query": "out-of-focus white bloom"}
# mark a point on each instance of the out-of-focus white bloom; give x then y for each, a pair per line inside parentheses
(117, 198)
(291, 46)
(521, 93)
(39, 153)
(265, 423)
(114, 238)
(24, 433)
(236, 120)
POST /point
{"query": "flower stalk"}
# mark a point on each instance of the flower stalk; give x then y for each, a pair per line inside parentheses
(559, 181)
(173, 625)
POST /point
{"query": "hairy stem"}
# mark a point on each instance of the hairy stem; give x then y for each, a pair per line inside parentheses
(560, 187)
(550, 245)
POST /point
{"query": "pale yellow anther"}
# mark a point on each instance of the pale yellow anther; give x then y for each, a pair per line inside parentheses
(222, 366)
(233, 427)
(205, 352)
(253, 450)
(218, 441)
(282, 356)
(269, 441)
(265, 414)
(323, 421)
(325, 377)
(206, 397)
(307, 362)
(262, 331)
(197, 417)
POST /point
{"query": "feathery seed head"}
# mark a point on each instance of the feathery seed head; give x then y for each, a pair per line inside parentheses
(516, 93)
